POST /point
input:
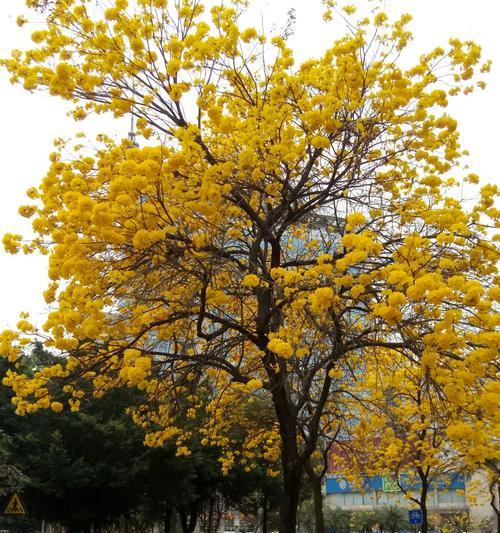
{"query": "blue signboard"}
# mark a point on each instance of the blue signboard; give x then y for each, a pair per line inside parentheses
(340, 485)
(415, 517)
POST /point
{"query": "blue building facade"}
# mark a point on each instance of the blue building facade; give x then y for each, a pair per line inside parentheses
(446, 494)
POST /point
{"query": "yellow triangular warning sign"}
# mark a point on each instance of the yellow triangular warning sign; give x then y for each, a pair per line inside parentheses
(15, 506)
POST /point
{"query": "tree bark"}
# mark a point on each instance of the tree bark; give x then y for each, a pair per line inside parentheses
(188, 524)
(423, 507)
(264, 515)
(290, 462)
(292, 473)
(496, 508)
(210, 515)
(316, 484)
(167, 519)
(290, 502)
(424, 480)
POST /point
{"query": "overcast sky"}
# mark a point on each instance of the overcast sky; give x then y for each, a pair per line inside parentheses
(30, 122)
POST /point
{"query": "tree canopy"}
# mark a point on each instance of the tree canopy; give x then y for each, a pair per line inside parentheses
(278, 225)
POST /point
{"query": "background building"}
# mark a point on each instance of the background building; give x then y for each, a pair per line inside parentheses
(458, 494)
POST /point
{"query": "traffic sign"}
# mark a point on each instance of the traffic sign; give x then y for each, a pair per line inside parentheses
(390, 484)
(415, 517)
(15, 506)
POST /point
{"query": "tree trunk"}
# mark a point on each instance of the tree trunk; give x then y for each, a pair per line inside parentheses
(188, 524)
(264, 515)
(210, 515)
(167, 519)
(424, 480)
(423, 507)
(316, 484)
(290, 502)
(291, 462)
(319, 516)
(495, 486)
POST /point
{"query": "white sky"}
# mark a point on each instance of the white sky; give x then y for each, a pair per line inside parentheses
(30, 122)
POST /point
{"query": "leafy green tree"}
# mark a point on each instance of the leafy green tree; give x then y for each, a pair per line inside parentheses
(91, 469)
(11, 478)
(364, 521)
(338, 520)
(256, 493)
(81, 469)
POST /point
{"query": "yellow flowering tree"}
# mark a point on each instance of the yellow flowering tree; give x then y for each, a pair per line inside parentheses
(400, 430)
(278, 220)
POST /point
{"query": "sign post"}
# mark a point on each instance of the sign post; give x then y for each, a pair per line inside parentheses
(415, 518)
(15, 506)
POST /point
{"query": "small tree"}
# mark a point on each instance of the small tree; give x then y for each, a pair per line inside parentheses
(401, 430)
(364, 521)
(338, 520)
(392, 519)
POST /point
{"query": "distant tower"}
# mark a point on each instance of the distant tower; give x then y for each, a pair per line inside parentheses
(131, 134)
